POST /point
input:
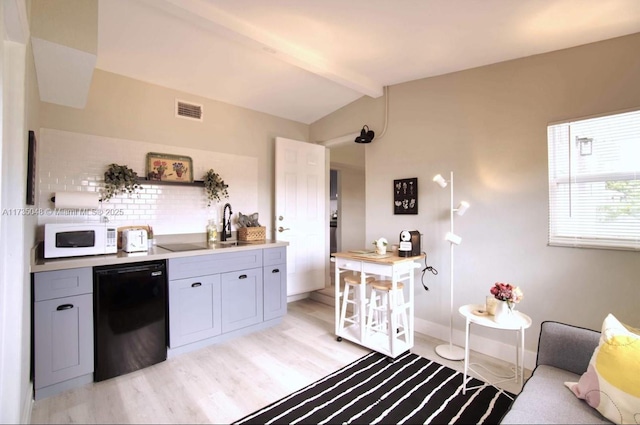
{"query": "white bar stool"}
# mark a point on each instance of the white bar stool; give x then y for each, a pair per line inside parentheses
(350, 285)
(378, 315)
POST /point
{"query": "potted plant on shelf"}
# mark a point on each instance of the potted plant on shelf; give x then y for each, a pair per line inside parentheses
(119, 179)
(214, 187)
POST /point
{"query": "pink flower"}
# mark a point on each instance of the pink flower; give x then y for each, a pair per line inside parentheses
(507, 292)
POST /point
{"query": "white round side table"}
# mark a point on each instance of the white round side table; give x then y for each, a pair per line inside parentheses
(520, 322)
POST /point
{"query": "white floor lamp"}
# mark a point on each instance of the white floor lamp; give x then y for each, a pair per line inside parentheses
(450, 351)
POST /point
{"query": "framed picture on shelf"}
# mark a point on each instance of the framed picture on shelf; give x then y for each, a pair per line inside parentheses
(166, 167)
(405, 196)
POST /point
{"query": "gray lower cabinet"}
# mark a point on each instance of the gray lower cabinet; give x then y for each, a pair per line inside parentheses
(242, 303)
(62, 330)
(275, 282)
(275, 291)
(194, 309)
(215, 296)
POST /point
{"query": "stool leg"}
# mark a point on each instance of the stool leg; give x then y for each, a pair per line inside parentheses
(372, 305)
(403, 314)
(343, 311)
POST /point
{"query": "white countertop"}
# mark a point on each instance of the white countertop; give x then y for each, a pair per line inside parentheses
(39, 264)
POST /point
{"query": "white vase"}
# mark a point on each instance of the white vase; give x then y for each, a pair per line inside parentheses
(503, 313)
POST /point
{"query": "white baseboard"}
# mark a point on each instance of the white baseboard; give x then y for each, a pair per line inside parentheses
(292, 298)
(489, 347)
(27, 407)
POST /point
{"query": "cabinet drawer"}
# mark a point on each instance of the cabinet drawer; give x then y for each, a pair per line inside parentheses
(273, 256)
(62, 283)
(343, 263)
(202, 265)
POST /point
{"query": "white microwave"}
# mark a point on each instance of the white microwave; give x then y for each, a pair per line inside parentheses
(78, 239)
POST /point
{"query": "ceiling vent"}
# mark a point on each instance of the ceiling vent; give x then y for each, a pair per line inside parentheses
(191, 111)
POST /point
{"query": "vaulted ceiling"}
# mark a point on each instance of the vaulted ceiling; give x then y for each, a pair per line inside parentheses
(303, 59)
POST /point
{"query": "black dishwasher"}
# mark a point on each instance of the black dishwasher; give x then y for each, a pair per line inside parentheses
(130, 317)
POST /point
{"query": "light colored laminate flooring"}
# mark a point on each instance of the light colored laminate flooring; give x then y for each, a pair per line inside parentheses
(226, 381)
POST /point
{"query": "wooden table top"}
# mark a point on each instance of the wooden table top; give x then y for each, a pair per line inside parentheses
(371, 256)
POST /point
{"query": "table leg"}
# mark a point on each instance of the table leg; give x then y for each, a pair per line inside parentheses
(391, 302)
(411, 309)
(521, 331)
(337, 300)
(362, 298)
(466, 356)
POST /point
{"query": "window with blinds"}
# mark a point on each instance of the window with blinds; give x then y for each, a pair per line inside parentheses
(594, 182)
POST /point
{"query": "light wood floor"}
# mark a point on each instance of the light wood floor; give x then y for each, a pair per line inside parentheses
(227, 381)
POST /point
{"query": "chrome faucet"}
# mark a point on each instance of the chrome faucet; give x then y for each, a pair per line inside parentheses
(226, 223)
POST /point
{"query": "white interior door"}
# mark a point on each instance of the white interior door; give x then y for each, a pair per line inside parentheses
(300, 212)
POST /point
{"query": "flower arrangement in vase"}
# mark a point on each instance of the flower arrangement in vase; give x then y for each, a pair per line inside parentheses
(509, 295)
(507, 292)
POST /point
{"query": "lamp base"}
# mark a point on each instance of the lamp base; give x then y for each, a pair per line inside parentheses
(450, 352)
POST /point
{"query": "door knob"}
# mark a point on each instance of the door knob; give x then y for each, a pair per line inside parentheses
(282, 229)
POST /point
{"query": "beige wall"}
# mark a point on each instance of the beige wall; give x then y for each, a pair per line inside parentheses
(124, 108)
(488, 126)
(351, 212)
(72, 23)
(349, 160)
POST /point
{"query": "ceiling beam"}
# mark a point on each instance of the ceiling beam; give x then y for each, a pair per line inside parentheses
(227, 26)
(16, 22)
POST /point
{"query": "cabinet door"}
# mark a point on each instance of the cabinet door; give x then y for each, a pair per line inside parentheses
(275, 291)
(194, 309)
(63, 339)
(242, 303)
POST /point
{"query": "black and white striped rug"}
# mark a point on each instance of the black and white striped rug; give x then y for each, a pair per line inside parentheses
(372, 390)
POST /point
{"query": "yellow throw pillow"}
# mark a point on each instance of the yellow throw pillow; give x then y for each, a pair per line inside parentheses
(611, 383)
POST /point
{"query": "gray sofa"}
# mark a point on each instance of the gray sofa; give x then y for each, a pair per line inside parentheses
(564, 352)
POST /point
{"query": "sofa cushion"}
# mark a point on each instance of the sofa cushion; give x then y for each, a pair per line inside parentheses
(611, 383)
(545, 400)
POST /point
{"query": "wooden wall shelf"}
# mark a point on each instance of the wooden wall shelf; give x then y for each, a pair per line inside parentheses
(197, 183)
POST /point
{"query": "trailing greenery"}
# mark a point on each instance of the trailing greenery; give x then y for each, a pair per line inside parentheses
(214, 187)
(119, 179)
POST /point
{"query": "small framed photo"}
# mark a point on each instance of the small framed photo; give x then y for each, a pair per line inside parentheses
(167, 167)
(405, 196)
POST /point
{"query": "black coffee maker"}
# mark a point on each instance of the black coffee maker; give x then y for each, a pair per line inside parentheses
(410, 244)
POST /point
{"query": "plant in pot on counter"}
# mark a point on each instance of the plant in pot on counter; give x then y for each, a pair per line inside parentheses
(119, 179)
(215, 187)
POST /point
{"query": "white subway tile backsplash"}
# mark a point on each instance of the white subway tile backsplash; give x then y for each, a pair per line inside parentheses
(76, 162)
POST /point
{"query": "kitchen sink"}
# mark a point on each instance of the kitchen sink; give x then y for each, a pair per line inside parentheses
(179, 247)
(224, 244)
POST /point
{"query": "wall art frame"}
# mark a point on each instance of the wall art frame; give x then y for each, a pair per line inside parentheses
(31, 168)
(168, 167)
(405, 196)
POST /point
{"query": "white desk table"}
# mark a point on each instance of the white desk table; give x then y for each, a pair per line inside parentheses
(398, 269)
(519, 323)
